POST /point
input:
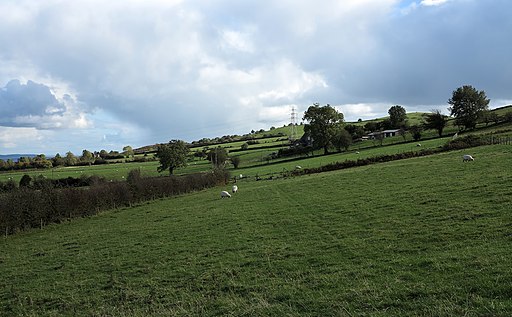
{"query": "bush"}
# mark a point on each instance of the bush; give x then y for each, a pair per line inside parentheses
(465, 142)
(25, 207)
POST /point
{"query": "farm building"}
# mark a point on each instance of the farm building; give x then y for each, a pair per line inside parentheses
(385, 133)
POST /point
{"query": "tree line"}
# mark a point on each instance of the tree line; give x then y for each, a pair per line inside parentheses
(70, 159)
(325, 127)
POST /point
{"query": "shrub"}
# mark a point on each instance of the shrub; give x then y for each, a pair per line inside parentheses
(29, 208)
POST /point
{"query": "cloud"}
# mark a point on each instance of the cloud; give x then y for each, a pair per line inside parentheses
(430, 3)
(34, 105)
(11, 138)
(143, 72)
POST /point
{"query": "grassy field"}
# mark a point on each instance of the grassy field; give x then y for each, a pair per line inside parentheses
(253, 161)
(429, 236)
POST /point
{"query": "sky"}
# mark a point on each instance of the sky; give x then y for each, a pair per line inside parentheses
(91, 74)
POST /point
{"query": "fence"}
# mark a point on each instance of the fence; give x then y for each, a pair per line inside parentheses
(507, 140)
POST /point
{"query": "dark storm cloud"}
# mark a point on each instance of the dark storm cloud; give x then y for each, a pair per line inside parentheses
(26, 100)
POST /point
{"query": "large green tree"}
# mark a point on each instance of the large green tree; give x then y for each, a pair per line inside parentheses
(397, 116)
(172, 155)
(467, 104)
(342, 139)
(435, 121)
(323, 123)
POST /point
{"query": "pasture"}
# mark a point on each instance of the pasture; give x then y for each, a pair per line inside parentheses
(428, 236)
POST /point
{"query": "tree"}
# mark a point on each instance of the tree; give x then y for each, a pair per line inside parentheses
(57, 160)
(323, 124)
(435, 121)
(416, 132)
(25, 180)
(70, 159)
(342, 139)
(403, 133)
(235, 160)
(467, 104)
(397, 116)
(172, 155)
(356, 131)
(87, 157)
(218, 156)
(128, 151)
(371, 126)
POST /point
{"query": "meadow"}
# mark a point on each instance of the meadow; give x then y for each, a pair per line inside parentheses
(427, 236)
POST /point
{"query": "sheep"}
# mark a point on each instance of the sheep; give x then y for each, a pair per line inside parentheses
(357, 152)
(234, 189)
(298, 167)
(224, 194)
(419, 144)
(467, 158)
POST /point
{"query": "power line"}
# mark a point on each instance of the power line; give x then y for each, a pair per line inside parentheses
(293, 122)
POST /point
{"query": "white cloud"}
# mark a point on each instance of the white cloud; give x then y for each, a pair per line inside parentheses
(189, 69)
(13, 138)
(237, 40)
(430, 3)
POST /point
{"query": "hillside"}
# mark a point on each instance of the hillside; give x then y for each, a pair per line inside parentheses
(425, 236)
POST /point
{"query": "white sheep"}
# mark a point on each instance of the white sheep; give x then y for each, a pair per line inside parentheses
(467, 158)
(224, 194)
(298, 167)
(419, 144)
(234, 189)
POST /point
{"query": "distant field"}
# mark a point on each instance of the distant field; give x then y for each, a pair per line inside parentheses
(253, 161)
(428, 236)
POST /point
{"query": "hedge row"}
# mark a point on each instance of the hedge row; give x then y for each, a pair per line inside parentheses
(25, 208)
(456, 144)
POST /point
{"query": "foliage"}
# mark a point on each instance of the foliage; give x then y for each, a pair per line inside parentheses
(25, 208)
(467, 104)
(128, 151)
(416, 132)
(172, 155)
(371, 126)
(218, 156)
(322, 125)
(25, 181)
(397, 116)
(342, 139)
(235, 160)
(435, 121)
(356, 131)
(464, 142)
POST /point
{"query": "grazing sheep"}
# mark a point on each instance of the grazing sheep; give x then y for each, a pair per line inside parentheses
(224, 194)
(241, 176)
(234, 189)
(357, 152)
(419, 144)
(467, 158)
(298, 167)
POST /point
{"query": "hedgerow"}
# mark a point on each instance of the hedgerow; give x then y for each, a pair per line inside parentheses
(28, 207)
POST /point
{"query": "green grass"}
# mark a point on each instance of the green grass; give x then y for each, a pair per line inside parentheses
(429, 236)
